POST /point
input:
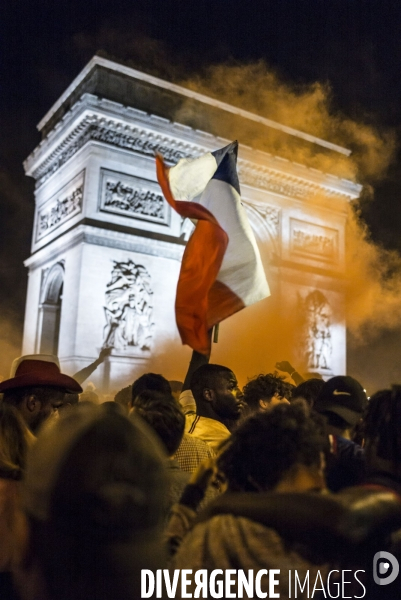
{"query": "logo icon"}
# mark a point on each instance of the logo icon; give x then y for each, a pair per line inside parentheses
(337, 393)
(385, 568)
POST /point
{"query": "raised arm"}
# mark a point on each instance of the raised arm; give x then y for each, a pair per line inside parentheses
(84, 373)
(286, 367)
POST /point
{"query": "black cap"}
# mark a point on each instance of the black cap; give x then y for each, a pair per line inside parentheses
(344, 396)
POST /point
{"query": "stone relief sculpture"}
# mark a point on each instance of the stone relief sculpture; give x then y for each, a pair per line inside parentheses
(314, 240)
(128, 308)
(317, 330)
(59, 211)
(319, 245)
(126, 198)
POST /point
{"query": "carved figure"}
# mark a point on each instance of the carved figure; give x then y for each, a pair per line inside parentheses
(318, 344)
(126, 198)
(128, 307)
(314, 244)
(60, 210)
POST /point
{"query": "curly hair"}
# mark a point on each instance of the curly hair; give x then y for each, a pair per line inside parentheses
(268, 444)
(264, 387)
(163, 413)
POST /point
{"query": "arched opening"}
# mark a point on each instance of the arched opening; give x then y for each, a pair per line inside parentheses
(50, 310)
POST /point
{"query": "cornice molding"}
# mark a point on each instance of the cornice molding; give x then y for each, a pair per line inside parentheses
(284, 184)
(111, 123)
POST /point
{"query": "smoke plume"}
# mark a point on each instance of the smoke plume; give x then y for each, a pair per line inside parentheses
(254, 341)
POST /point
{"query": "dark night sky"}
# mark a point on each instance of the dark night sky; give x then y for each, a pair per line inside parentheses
(352, 44)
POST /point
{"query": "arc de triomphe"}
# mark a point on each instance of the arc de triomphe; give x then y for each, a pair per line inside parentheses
(106, 248)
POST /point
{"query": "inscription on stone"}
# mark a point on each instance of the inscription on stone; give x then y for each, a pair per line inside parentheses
(314, 241)
(63, 206)
(132, 197)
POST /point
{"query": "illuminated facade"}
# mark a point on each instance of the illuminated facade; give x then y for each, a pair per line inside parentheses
(106, 247)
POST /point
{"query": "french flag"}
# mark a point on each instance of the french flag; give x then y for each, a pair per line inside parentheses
(221, 270)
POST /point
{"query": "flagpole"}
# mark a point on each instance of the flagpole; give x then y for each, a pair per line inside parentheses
(216, 333)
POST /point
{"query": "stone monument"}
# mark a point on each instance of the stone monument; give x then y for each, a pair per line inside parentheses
(106, 247)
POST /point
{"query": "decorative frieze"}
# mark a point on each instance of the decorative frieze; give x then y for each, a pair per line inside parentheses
(64, 205)
(280, 183)
(133, 139)
(109, 132)
(314, 241)
(133, 197)
(66, 150)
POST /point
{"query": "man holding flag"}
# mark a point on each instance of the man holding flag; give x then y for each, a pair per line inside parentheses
(221, 273)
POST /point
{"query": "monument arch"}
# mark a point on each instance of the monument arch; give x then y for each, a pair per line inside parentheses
(99, 209)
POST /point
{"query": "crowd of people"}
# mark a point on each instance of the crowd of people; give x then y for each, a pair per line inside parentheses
(290, 474)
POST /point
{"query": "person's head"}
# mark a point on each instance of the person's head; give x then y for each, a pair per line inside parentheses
(93, 495)
(265, 391)
(342, 400)
(37, 388)
(124, 397)
(280, 449)
(13, 442)
(35, 404)
(216, 387)
(308, 390)
(163, 414)
(382, 430)
(150, 381)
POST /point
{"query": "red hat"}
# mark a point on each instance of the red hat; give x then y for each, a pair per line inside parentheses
(39, 370)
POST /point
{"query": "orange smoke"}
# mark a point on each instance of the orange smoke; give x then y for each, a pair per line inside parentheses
(257, 88)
